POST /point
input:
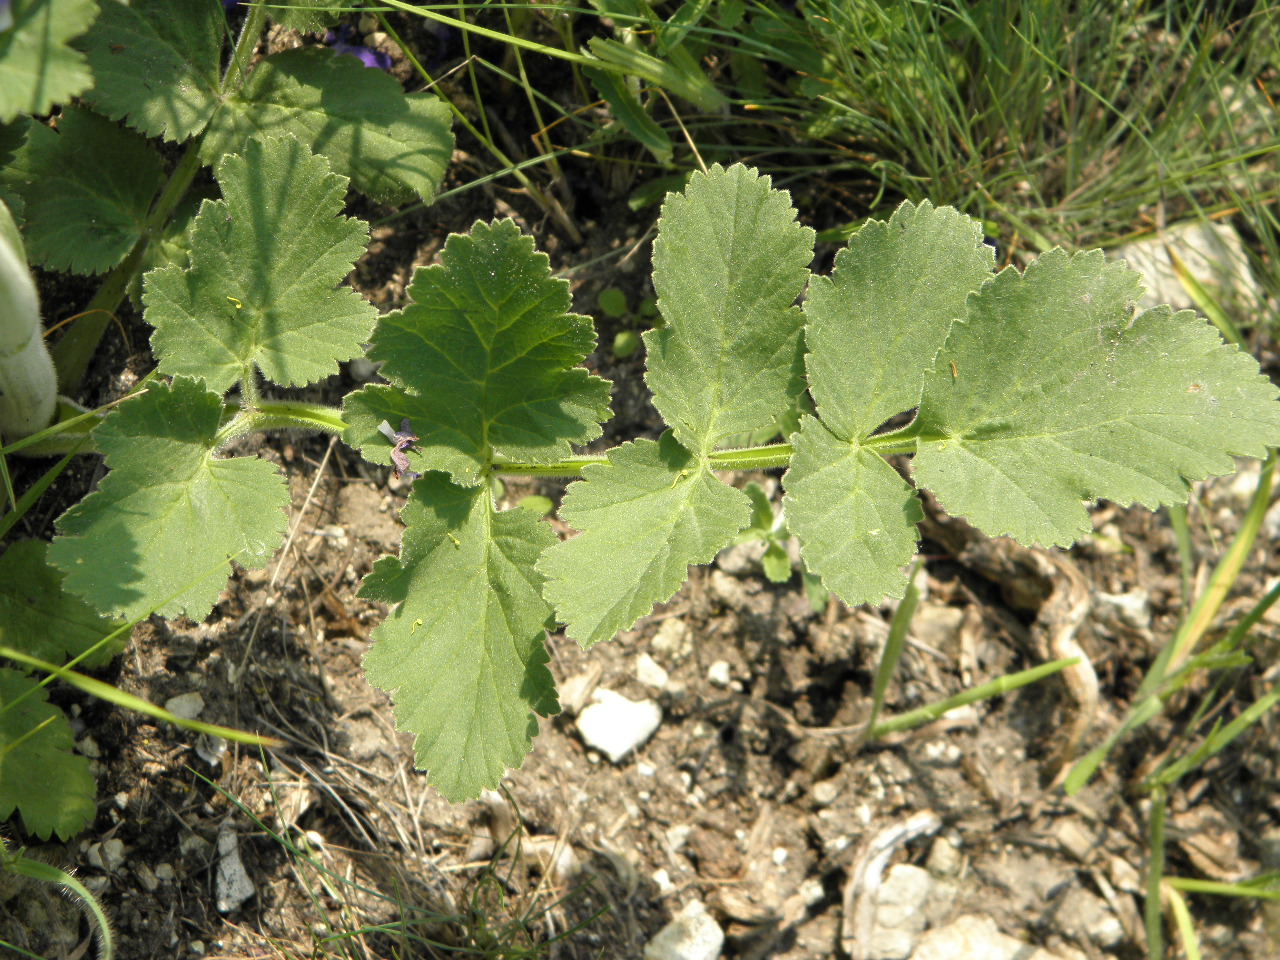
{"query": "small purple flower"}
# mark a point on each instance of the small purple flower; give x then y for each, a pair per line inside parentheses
(341, 40)
(403, 440)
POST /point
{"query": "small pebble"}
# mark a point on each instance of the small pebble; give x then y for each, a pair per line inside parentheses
(650, 672)
(188, 706)
(718, 674)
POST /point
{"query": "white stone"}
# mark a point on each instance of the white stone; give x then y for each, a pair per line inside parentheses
(1131, 609)
(718, 674)
(616, 726)
(678, 835)
(692, 935)
(742, 559)
(188, 706)
(975, 938)
(662, 880)
(146, 878)
(674, 638)
(88, 747)
(164, 871)
(1211, 252)
(900, 915)
(232, 885)
(824, 793)
(779, 856)
(107, 856)
(1270, 529)
(650, 672)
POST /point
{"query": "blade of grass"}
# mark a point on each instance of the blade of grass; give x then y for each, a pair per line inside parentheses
(985, 691)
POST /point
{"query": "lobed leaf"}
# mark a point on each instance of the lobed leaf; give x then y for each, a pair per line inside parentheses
(40, 777)
(155, 64)
(168, 518)
(729, 262)
(875, 325)
(647, 514)
(38, 67)
(482, 362)
(1061, 395)
(393, 147)
(262, 288)
(854, 516)
(37, 617)
(463, 654)
(86, 190)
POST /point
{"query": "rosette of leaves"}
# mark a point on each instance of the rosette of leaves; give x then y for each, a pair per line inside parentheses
(1033, 392)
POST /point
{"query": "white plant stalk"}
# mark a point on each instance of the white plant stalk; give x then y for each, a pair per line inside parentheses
(28, 387)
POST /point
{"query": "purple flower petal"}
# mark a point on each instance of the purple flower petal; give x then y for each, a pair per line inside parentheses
(340, 41)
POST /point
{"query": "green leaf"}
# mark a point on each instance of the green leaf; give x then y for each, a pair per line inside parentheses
(482, 362)
(853, 514)
(39, 775)
(647, 514)
(876, 324)
(1062, 395)
(630, 113)
(762, 515)
(393, 147)
(776, 563)
(262, 285)
(678, 74)
(463, 654)
(38, 68)
(168, 517)
(38, 618)
(86, 191)
(729, 262)
(155, 64)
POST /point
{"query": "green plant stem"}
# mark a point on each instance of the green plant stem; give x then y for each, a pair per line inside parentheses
(1155, 874)
(127, 701)
(281, 415)
(480, 31)
(37, 870)
(1193, 628)
(515, 169)
(993, 688)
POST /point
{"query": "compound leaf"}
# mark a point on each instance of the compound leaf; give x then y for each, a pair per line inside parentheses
(874, 327)
(38, 618)
(155, 64)
(647, 514)
(38, 68)
(169, 516)
(262, 285)
(393, 147)
(1061, 395)
(463, 654)
(729, 262)
(86, 191)
(39, 775)
(482, 361)
(853, 514)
